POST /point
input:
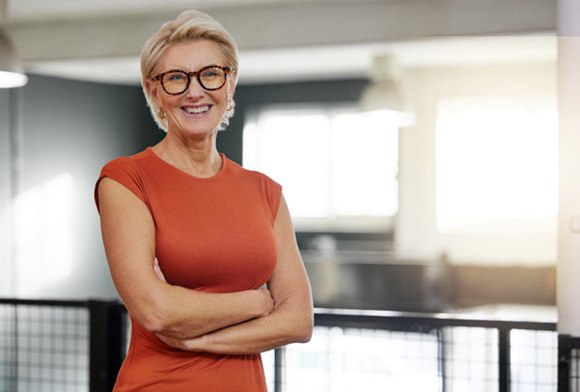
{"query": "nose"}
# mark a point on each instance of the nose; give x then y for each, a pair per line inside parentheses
(194, 89)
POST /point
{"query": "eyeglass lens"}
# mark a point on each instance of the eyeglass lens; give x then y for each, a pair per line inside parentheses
(176, 82)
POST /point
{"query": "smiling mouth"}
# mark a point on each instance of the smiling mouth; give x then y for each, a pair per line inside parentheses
(196, 110)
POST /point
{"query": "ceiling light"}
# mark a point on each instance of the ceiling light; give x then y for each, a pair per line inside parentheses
(382, 95)
(10, 72)
(383, 92)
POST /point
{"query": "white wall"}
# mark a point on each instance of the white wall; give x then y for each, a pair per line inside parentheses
(416, 231)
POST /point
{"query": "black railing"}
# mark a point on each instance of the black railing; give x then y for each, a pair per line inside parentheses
(108, 342)
(60, 345)
(568, 363)
(79, 346)
(437, 325)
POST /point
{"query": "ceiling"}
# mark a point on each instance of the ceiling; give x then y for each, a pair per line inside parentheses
(282, 40)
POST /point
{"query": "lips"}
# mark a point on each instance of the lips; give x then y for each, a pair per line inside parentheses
(195, 109)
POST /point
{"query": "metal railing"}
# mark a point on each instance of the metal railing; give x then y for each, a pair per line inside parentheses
(465, 352)
(55, 345)
(79, 346)
(568, 363)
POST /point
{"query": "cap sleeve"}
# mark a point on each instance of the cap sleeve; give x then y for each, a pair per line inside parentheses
(126, 172)
(274, 196)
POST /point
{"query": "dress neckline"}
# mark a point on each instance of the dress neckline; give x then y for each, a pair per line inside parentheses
(222, 169)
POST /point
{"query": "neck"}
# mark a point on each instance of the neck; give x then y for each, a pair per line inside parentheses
(199, 159)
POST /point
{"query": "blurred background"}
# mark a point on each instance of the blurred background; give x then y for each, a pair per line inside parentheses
(416, 141)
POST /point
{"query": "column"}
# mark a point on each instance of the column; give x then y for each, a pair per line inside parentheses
(568, 268)
(568, 276)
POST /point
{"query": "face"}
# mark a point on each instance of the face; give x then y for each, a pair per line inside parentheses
(197, 112)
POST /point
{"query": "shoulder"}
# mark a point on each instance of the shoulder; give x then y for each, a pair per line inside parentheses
(270, 190)
(127, 171)
(252, 175)
(129, 163)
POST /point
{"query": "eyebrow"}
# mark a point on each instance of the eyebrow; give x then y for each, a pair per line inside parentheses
(199, 69)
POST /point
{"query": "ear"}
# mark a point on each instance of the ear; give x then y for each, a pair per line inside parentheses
(153, 88)
(232, 83)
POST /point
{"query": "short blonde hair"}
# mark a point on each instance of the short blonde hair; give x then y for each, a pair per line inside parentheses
(190, 25)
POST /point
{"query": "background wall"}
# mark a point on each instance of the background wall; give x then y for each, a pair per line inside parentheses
(69, 130)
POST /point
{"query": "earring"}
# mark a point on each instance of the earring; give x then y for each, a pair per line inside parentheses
(161, 113)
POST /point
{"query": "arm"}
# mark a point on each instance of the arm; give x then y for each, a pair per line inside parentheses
(129, 237)
(292, 318)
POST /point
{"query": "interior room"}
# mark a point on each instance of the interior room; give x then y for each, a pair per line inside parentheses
(416, 142)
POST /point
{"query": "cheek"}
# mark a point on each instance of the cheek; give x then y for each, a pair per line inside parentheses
(222, 97)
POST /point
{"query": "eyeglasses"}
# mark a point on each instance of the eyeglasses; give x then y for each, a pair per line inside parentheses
(176, 82)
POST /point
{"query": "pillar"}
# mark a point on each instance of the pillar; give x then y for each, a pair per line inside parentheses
(568, 275)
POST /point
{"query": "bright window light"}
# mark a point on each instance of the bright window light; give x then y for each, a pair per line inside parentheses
(43, 235)
(333, 164)
(497, 164)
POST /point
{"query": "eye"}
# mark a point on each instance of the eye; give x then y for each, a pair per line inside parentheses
(211, 73)
(175, 77)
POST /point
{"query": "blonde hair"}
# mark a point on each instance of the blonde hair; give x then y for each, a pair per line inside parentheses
(188, 26)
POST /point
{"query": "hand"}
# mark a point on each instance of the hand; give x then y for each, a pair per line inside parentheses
(267, 304)
(180, 344)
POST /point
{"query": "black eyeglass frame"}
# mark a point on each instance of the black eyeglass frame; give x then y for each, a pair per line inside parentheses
(197, 74)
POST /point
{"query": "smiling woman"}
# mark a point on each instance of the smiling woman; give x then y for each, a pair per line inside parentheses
(176, 96)
(201, 250)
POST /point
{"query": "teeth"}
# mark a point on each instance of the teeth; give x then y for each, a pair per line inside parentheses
(196, 110)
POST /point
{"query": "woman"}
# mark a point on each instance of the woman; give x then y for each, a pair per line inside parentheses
(201, 251)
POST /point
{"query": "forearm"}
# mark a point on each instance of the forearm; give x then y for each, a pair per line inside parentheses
(181, 313)
(287, 324)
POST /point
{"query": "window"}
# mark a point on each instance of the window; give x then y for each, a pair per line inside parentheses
(338, 167)
(497, 164)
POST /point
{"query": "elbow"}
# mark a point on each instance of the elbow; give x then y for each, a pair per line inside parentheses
(151, 321)
(304, 336)
(303, 323)
(152, 316)
(304, 329)
(307, 333)
(153, 324)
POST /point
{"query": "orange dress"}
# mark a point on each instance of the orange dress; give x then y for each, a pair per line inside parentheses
(212, 234)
